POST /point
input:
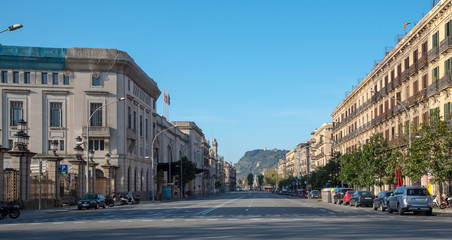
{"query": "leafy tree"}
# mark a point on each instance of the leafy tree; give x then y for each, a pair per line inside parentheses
(250, 179)
(260, 180)
(188, 171)
(270, 177)
(431, 153)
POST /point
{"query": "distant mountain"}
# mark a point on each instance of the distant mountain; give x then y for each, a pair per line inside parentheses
(258, 161)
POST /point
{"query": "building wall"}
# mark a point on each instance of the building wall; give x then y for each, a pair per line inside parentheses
(408, 74)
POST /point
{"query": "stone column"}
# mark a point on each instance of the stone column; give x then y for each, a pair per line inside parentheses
(21, 160)
(80, 163)
(2, 151)
(53, 163)
(111, 173)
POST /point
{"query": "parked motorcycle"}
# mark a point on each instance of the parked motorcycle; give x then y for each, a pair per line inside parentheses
(446, 202)
(436, 202)
(109, 201)
(130, 198)
(11, 211)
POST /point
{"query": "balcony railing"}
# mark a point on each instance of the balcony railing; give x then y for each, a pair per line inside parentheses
(433, 54)
(445, 44)
(390, 87)
(96, 132)
(396, 82)
(431, 89)
(411, 100)
(413, 68)
(422, 62)
(405, 75)
(445, 82)
(131, 133)
(397, 109)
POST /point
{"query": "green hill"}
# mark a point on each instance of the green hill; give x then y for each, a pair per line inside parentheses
(258, 161)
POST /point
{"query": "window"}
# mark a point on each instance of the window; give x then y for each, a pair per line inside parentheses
(26, 77)
(435, 40)
(393, 132)
(128, 84)
(96, 119)
(141, 125)
(55, 114)
(447, 111)
(447, 67)
(424, 49)
(95, 81)
(15, 77)
(407, 63)
(424, 81)
(43, 78)
(129, 118)
(134, 120)
(435, 73)
(392, 75)
(4, 77)
(65, 80)
(415, 87)
(447, 29)
(61, 145)
(147, 129)
(15, 113)
(55, 78)
(98, 145)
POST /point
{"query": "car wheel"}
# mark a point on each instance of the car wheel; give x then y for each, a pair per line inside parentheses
(104, 206)
(429, 212)
(96, 206)
(356, 204)
(399, 209)
(381, 208)
(79, 208)
(374, 207)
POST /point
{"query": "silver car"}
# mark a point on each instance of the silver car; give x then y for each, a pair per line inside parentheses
(410, 199)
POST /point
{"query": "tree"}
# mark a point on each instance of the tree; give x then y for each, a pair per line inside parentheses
(188, 171)
(431, 151)
(250, 179)
(260, 180)
(270, 177)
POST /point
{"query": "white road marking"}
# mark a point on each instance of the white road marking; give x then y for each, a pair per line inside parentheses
(168, 220)
(125, 221)
(147, 220)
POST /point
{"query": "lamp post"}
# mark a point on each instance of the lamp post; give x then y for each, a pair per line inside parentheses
(87, 139)
(12, 28)
(152, 159)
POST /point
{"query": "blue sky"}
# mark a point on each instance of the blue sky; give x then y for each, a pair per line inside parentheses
(252, 74)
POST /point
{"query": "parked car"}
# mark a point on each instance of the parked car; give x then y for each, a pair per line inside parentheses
(92, 201)
(410, 199)
(340, 195)
(347, 196)
(362, 198)
(314, 194)
(381, 200)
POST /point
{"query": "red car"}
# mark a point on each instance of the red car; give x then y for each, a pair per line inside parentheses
(347, 196)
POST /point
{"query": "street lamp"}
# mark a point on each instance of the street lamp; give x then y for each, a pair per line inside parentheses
(54, 147)
(152, 159)
(87, 140)
(12, 28)
(20, 139)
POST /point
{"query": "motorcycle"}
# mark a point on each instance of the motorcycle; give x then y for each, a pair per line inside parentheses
(446, 202)
(436, 202)
(109, 202)
(11, 211)
(130, 198)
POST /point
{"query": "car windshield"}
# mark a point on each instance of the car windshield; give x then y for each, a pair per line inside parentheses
(365, 193)
(387, 194)
(90, 196)
(350, 192)
(417, 192)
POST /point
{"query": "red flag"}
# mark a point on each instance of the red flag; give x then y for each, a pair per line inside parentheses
(404, 26)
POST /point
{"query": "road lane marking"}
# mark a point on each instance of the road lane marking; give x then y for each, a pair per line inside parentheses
(56, 223)
(79, 222)
(255, 219)
(191, 220)
(125, 221)
(147, 220)
(168, 220)
(233, 219)
(212, 219)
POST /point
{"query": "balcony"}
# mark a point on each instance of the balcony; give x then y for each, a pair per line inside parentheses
(131, 134)
(422, 63)
(445, 45)
(413, 69)
(421, 95)
(433, 54)
(431, 89)
(396, 82)
(103, 132)
(411, 100)
(445, 82)
(405, 75)
(390, 87)
(397, 109)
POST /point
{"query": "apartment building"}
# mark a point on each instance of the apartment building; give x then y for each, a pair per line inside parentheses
(412, 79)
(322, 147)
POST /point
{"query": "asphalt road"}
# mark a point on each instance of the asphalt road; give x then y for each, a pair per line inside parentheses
(240, 215)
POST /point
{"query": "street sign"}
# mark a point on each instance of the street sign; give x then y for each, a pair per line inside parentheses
(63, 168)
